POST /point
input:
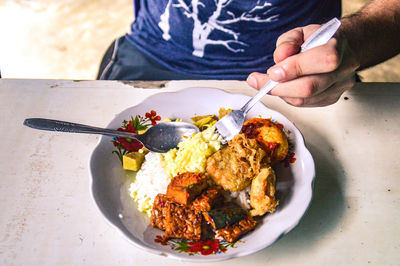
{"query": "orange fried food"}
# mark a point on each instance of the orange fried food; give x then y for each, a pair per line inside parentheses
(262, 195)
(183, 188)
(233, 232)
(269, 135)
(234, 166)
(206, 200)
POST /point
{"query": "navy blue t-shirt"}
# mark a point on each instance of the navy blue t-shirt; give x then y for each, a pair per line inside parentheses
(220, 39)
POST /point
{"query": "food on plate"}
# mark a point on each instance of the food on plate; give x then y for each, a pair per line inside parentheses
(206, 199)
(225, 215)
(262, 195)
(233, 232)
(183, 188)
(193, 220)
(192, 153)
(159, 211)
(205, 121)
(234, 166)
(176, 220)
(150, 180)
(269, 135)
(205, 186)
(133, 160)
(223, 112)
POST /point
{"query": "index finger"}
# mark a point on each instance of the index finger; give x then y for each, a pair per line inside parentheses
(288, 44)
(322, 59)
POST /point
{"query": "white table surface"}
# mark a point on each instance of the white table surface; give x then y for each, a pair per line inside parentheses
(47, 216)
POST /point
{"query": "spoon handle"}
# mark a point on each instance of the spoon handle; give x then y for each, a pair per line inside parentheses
(62, 126)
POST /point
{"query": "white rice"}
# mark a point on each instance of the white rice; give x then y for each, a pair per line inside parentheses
(242, 198)
(151, 180)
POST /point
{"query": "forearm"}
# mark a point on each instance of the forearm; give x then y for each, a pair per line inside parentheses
(373, 33)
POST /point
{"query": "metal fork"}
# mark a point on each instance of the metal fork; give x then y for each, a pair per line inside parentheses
(231, 124)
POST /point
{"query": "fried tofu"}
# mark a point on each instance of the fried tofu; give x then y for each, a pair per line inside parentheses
(183, 188)
(269, 135)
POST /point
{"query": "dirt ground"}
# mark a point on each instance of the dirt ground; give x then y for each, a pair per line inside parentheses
(66, 39)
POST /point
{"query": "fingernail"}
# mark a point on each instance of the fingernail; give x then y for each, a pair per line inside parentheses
(276, 74)
(252, 82)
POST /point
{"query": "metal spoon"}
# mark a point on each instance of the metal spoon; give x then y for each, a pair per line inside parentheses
(158, 138)
(231, 124)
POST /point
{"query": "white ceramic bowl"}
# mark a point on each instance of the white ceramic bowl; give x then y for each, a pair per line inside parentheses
(110, 182)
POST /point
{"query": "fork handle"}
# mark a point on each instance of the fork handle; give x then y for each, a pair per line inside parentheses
(261, 93)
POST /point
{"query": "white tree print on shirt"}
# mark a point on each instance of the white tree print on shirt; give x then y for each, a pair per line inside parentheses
(218, 20)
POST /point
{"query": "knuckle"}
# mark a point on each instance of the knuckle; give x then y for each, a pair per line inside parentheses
(297, 68)
(290, 36)
(351, 83)
(309, 88)
(297, 102)
(332, 59)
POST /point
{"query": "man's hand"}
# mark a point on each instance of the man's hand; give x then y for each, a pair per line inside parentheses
(317, 77)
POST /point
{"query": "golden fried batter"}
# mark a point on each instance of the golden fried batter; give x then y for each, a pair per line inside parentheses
(234, 166)
(269, 135)
(262, 195)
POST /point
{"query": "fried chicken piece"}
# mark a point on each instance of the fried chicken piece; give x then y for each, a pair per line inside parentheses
(262, 195)
(234, 166)
(269, 135)
(183, 188)
(233, 232)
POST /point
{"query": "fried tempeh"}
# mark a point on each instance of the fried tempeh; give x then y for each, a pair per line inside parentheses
(182, 222)
(176, 220)
(159, 211)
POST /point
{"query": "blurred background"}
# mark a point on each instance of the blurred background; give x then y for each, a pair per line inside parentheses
(66, 39)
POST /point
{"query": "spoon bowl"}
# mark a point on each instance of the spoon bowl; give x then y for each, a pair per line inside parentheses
(158, 138)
